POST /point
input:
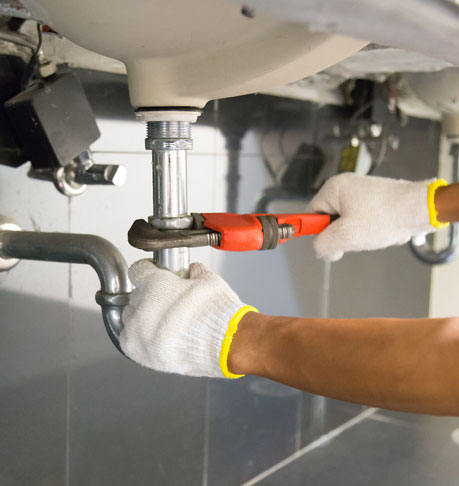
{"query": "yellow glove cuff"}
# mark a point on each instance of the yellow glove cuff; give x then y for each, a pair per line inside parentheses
(433, 213)
(228, 339)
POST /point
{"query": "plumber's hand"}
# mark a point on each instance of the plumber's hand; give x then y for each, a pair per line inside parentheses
(178, 325)
(375, 212)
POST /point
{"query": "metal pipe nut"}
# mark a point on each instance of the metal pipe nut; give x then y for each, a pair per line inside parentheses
(159, 144)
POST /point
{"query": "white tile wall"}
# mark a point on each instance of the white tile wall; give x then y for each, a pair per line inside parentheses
(35, 206)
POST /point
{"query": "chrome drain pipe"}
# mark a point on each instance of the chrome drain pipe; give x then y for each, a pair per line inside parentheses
(169, 142)
(169, 139)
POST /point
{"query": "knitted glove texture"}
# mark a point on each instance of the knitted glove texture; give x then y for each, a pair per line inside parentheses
(177, 325)
(375, 212)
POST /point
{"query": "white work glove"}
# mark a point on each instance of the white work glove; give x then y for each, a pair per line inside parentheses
(178, 325)
(374, 212)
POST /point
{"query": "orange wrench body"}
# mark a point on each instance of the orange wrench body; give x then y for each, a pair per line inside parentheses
(246, 232)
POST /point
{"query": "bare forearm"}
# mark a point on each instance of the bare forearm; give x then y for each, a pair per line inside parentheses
(447, 203)
(400, 364)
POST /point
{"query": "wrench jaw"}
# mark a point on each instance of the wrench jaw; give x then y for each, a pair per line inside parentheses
(144, 236)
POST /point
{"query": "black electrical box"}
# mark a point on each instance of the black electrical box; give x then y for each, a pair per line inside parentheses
(12, 70)
(53, 121)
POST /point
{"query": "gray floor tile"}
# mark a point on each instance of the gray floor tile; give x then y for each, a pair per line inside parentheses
(130, 425)
(320, 415)
(33, 400)
(380, 454)
(252, 424)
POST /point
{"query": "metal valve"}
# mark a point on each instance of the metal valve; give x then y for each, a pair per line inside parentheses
(73, 178)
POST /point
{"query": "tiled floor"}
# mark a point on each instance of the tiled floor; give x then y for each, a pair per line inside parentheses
(385, 449)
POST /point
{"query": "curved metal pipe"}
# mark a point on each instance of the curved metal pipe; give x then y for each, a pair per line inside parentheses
(424, 251)
(277, 193)
(100, 254)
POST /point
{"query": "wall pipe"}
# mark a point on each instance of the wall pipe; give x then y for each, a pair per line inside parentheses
(100, 254)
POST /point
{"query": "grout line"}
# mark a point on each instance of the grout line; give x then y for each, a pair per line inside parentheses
(377, 417)
(319, 410)
(68, 380)
(205, 461)
(313, 445)
(68, 360)
(299, 422)
(325, 301)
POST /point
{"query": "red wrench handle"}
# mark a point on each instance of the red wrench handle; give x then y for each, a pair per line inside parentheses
(305, 224)
(244, 232)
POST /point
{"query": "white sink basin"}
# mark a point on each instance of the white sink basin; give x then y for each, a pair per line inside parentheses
(182, 53)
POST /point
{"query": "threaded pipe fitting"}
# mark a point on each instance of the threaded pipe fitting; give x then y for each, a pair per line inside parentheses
(168, 129)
